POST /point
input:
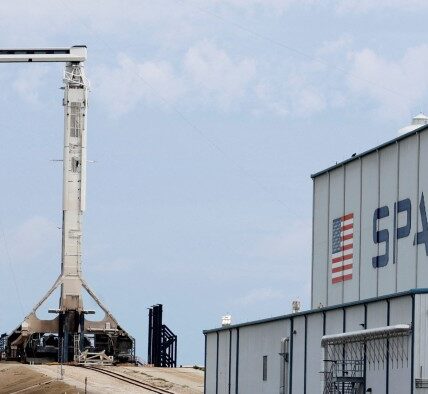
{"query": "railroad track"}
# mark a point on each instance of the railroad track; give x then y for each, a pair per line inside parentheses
(129, 380)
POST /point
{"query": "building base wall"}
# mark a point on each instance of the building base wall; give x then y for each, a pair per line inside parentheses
(248, 358)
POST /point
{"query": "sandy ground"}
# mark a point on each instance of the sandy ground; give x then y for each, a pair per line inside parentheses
(16, 378)
(177, 380)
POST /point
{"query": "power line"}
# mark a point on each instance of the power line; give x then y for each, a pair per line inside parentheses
(197, 129)
(289, 48)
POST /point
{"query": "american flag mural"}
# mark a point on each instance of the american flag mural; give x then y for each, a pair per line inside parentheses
(342, 255)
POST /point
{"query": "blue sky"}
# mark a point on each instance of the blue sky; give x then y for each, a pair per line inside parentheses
(206, 120)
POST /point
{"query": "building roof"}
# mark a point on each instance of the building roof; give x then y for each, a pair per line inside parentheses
(359, 156)
(320, 310)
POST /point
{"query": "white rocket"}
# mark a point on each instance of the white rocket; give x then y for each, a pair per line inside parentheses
(70, 319)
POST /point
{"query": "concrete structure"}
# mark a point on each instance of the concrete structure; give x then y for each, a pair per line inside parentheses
(370, 262)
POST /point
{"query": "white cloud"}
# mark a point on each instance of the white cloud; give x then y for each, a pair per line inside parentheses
(331, 47)
(122, 87)
(26, 22)
(30, 240)
(29, 82)
(369, 5)
(247, 3)
(202, 73)
(214, 73)
(307, 99)
(297, 96)
(205, 73)
(42, 22)
(275, 5)
(394, 85)
(266, 94)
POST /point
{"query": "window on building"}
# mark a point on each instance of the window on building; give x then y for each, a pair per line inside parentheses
(265, 368)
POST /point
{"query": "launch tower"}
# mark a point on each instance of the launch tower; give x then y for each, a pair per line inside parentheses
(70, 334)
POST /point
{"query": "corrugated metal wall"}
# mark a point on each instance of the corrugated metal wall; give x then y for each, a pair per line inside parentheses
(306, 355)
(396, 172)
(421, 339)
(254, 343)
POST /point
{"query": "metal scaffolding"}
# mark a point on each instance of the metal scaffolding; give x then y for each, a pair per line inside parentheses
(347, 356)
(162, 342)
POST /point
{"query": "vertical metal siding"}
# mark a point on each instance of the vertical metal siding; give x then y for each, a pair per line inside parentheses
(355, 318)
(370, 201)
(233, 361)
(422, 258)
(217, 361)
(352, 204)
(229, 378)
(290, 359)
(421, 338)
(320, 241)
(237, 363)
(254, 343)
(315, 353)
(400, 313)
(305, 361)
(388, 189)
(298, 354)
(376, 374)
(334, 322)
(336, 210)
(211, 362)
(312, 251)
(408, 188)
(388, 348)
(223, 364)
(412, 371)
(205, 364)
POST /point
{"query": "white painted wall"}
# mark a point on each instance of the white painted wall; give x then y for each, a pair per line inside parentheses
(381, 178)
(264, 338)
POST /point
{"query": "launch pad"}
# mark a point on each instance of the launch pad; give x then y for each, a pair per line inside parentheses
(70, 336)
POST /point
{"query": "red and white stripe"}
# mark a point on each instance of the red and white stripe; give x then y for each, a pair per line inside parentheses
(342, 262)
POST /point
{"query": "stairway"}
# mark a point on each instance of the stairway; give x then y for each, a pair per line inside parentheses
(344, 377)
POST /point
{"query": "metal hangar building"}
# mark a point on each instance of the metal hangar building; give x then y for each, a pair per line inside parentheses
(367, 329)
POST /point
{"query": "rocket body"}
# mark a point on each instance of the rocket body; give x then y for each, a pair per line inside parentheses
(74, 185)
